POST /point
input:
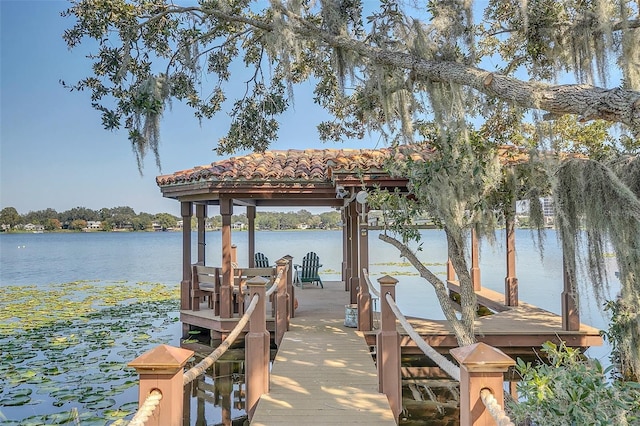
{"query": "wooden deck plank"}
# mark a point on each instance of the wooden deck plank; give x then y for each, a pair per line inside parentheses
(323, 372)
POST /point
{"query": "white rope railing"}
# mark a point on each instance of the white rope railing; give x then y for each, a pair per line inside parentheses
(208, 361)
(276, 282)
(494, 408)
(146, 409)
(450, 368)
(371, 288)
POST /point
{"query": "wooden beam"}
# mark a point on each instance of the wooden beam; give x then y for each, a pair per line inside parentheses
(475, 261)
(570, 312)
(185, 285)
(201, 215)
(251, 217)
(353, 254)
(226, 289)
(510, 281)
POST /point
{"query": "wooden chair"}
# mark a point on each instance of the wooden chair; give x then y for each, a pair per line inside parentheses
(308, 271)
(261, 260)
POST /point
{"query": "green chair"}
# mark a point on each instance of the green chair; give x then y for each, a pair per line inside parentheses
(308, 271)
(261, 261)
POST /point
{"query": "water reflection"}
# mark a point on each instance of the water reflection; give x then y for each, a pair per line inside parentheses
(218, 396)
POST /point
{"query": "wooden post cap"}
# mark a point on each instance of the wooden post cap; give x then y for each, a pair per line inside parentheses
(282, 262)
(163, 359)
(257, 281)
(387, 280)
(480, 357)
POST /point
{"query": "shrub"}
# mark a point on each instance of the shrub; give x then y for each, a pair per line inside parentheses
(572, 389)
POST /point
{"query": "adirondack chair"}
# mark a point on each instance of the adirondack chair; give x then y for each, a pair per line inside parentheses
(261, 260)
(308, 271)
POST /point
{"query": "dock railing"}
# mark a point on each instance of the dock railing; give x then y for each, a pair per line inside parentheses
(481, 370)
(161, 370)
(374, 296)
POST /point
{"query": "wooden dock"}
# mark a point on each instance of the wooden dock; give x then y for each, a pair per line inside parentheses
(323, 372)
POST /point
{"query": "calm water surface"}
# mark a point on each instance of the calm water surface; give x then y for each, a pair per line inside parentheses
(41, 259)
(56, 258)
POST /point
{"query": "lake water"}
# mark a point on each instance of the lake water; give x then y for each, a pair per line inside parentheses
(43, 259)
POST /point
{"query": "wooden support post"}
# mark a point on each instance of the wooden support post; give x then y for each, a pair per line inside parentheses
(161, 368)
(388, 349)
(475, 262)
(281, 302)
(226, 288)
(346, 246)
(481, 366)
(570, 312)
(256, 342)
(185, 284)
(353, 254)
(451, 273)
(510, 281)
(291, 296)
(251, 217)
(201, 215)
(365, 311)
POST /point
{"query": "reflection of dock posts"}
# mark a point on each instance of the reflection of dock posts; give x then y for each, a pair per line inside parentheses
(198, 383)
(291, 297)
(223, 384)
(161, 369)
(481, 366)
(257, 347)
(388, 349)
(281, 302)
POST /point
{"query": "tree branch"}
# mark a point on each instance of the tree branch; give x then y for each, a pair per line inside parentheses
(586, 101)
(463, 335)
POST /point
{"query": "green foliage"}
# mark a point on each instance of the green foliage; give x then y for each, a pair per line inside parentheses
(78, 224)
(573, 390)
(595, 209)
(110, 218)
(9, 216)
(622, 320)
(379, 68)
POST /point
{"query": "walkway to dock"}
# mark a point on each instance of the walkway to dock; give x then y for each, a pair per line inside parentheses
(323, 372)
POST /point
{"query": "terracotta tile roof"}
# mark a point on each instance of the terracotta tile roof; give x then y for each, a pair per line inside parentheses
(294, 165)
(309, 165)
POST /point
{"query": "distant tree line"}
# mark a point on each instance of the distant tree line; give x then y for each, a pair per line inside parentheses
(125, 218)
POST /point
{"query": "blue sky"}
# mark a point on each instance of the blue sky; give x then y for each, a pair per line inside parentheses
(54, 152)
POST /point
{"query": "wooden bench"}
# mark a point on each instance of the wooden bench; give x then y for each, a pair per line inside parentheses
(240, 277)
(205, 282)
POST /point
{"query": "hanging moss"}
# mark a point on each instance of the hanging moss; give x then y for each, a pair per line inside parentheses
(595, 208)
